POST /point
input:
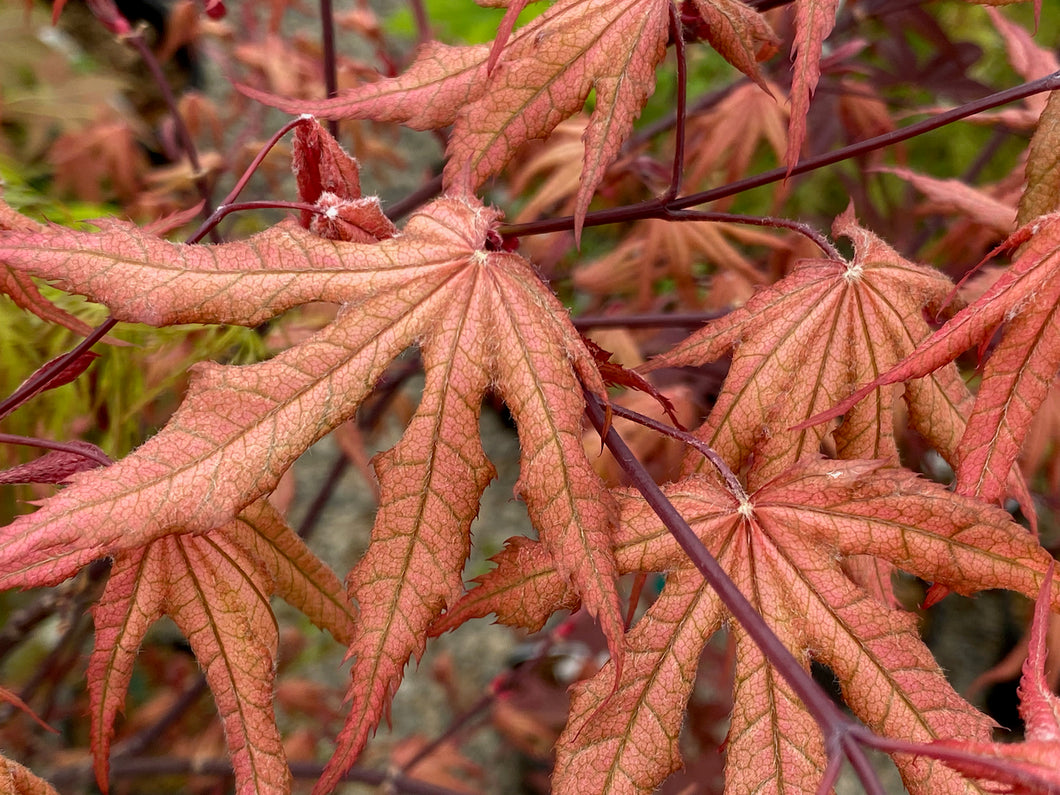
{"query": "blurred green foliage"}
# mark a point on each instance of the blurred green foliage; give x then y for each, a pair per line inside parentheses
(130, 390)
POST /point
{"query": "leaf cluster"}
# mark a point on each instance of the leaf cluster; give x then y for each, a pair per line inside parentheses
(819, 374)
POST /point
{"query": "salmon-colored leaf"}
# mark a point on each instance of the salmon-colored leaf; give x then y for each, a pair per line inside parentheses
(1019, 371)
(439, 285)
(1042, 195)
(17, 780)
(630, 743)
(19, 287)
(954, 196)
(803, 341)
(739, 33)
(213, 589)
(242, 283)
(814, 20)
(295, 573)
(542, 76)
(524, 590)
(783, 546)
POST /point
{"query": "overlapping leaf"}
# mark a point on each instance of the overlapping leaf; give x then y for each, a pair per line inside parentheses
(543, 75)
(20, 288)
(438, 285)
(783, 547)
(804, 341)
(216, 588)
(1020, 369)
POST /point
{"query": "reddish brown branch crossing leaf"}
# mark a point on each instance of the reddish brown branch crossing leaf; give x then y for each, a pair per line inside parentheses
(807, 338)
(1019, 372)
(496, 102)
(783, 547)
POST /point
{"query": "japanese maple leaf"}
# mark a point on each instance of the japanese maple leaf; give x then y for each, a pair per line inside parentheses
(728, 136)
(655, 250)
(814, 20)
(807, 338)
(991, 208)
(483, 320)
(783, 546)
(1031, 766)
(19, 287)
(543, 75)
(216, 588)
(17, 780)
(1019, 371)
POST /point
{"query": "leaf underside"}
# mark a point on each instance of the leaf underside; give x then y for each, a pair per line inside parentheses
(435, 285)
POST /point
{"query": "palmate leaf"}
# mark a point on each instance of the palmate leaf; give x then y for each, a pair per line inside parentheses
(802, 343)
(783, 547)
(437, 284)
(1021, 367)
(216, 588)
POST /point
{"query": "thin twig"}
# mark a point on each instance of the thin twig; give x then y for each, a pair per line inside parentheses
(45, 375)
(682, 99)
(800, 227)
(63, 447)
(220, 212)
(422, 21)
(138, 743)
(137, 41)
(647, 320)
(708, 452)
(414, 200)
(142, 767)
(331, 78)
(655, 208)
(501, 684)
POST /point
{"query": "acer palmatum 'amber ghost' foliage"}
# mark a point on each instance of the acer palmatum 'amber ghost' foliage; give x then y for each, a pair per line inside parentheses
(543, 73)
(808, 519)
(436, 285)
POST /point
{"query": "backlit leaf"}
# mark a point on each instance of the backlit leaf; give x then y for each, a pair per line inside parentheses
(783, 549)
(437, 284)
(804, 340)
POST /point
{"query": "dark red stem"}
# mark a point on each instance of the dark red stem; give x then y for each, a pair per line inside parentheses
(138, 43)
(657, 208)
(835, 726)
(327, 37)
(682, 100)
